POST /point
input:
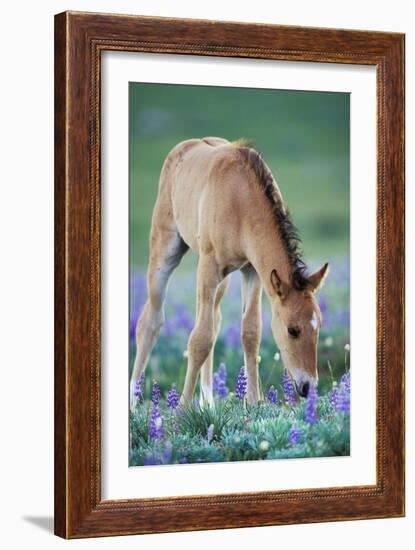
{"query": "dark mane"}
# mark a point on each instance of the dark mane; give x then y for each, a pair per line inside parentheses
(288, 231)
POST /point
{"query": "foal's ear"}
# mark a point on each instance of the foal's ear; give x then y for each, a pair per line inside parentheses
(278, 285)
(317, 279)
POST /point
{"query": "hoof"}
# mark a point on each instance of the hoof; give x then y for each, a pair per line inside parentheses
(206, 402)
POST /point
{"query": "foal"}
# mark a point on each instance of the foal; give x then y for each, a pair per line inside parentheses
(221, 200)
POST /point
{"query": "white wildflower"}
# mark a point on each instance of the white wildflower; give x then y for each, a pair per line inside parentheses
(264, 445)
(328, 342)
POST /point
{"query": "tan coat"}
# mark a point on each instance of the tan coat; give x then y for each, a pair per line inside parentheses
(220, 199)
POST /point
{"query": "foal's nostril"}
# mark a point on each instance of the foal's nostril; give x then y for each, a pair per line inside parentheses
(302, 388)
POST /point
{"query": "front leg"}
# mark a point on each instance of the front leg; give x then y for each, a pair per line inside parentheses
(251, 329)
(206, 374)
(203, 334)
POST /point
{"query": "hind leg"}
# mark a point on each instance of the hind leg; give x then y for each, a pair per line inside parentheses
(203, 333)
(206, 389)
(167, 250)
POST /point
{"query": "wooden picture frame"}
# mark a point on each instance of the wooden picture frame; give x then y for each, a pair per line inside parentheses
(79, 40)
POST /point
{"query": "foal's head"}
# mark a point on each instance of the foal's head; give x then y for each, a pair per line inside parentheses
(295, 326)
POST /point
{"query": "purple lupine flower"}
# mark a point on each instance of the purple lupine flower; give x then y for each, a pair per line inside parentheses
(169, 328)
(182, 318)
(310, 409)
(133, 324)
(325, 312)
(323, 305)
(241, 384)
(272, 395)
(138, 285)
(333, 396)
(288, 388)
(139, 388)
(343, 318)
(167, 452)
(152, 460)
(343, 400)
(345, 379)
(172, 398)
(138, 296)
(220, 389)
(210, 433)
(294, 436)
(156, 393)
(232, 336)
(343, 395)
(223, 375)
(155, 458)
(156, 423)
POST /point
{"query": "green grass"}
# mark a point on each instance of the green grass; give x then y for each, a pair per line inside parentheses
(240, 433)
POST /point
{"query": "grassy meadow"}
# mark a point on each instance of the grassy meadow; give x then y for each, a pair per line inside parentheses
(304, 137)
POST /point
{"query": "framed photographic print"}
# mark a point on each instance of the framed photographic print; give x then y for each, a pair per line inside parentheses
(229, 276)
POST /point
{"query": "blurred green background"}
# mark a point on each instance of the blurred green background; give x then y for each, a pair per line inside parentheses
(304, 137)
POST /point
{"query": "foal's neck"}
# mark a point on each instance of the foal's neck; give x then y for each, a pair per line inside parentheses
(267, 252)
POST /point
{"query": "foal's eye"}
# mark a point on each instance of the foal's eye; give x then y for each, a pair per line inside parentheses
(294, 332)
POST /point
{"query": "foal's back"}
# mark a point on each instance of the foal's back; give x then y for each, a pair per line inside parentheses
(208, 186)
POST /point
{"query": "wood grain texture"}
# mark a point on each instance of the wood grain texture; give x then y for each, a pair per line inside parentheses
(79, 40)
(60, 277)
